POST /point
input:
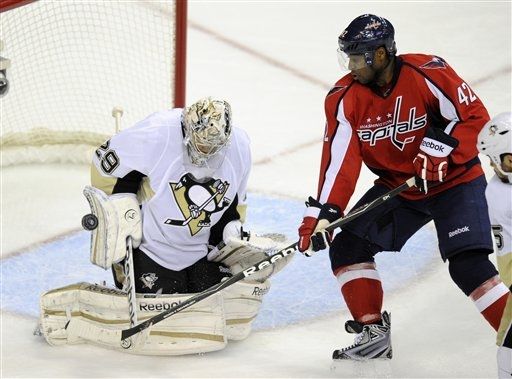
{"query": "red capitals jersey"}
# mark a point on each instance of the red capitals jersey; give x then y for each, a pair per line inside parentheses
(385, 131)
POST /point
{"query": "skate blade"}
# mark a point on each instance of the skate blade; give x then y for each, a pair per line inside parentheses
(370, 368)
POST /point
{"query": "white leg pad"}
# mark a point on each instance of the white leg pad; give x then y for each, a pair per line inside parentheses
(90, 313)
(242, 302)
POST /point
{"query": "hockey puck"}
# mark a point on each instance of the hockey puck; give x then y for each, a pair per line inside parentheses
(89, 222)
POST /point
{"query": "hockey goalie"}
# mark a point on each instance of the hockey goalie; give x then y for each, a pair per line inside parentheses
(167, 208)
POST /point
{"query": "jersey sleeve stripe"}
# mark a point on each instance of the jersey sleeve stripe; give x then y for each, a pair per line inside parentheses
(438, 90)
(339, 146)
(448, 110)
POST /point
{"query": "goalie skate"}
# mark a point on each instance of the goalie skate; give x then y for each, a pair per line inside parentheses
(373, 341)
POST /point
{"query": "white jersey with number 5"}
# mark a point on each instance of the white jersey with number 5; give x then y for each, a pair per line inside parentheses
(184, 203)
(499, 199)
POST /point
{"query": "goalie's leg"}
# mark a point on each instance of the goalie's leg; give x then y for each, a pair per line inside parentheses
(89, 313)
(242, 302)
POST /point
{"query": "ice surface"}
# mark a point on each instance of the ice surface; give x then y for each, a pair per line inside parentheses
(436, 330)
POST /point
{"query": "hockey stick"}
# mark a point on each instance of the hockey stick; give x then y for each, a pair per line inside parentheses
(127, 333)
(130, 282)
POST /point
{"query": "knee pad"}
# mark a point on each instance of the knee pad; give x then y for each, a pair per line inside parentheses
(348, 249)
(469, 269)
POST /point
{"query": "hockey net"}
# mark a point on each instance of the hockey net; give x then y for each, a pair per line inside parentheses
(72, 62)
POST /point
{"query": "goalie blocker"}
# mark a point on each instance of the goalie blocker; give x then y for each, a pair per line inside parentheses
(113, 220)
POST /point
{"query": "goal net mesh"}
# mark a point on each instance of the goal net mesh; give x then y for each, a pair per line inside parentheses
(72, 62)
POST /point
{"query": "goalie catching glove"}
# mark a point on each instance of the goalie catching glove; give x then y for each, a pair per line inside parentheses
(119, 217)
(312, 234)
(240, 250)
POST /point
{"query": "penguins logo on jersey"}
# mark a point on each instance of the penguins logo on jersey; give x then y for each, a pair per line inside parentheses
(197, 201)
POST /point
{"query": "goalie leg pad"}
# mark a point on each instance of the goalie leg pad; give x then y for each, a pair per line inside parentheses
(90, 313)
(242, 302)
(119, 217)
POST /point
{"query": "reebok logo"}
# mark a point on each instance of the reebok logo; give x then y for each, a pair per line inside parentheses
(257, 291)
(151, 307)
(433, 146)
(453, 233)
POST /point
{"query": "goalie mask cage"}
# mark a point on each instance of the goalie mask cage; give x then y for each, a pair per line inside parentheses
(73, 61)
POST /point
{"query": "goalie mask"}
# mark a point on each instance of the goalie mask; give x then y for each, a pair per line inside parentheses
(495, 141)
(207, 129)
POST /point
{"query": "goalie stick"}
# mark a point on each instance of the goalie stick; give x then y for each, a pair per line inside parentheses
(127, 333)
(130, 282)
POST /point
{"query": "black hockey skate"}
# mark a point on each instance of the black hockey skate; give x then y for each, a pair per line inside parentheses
(372, 341)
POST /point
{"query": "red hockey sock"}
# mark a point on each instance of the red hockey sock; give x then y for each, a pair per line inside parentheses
(491, 298)
(362, 290)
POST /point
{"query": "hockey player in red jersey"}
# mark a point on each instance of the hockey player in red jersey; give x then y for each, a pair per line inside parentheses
(402, 116)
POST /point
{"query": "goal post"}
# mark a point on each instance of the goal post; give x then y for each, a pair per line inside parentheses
(73, 61)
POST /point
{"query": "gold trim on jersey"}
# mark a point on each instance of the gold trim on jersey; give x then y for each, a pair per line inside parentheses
(242, 211)
(104, 183)
(505, 323)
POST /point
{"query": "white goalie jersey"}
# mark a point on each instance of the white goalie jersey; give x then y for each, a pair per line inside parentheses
(183, 201)
(499, 199)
